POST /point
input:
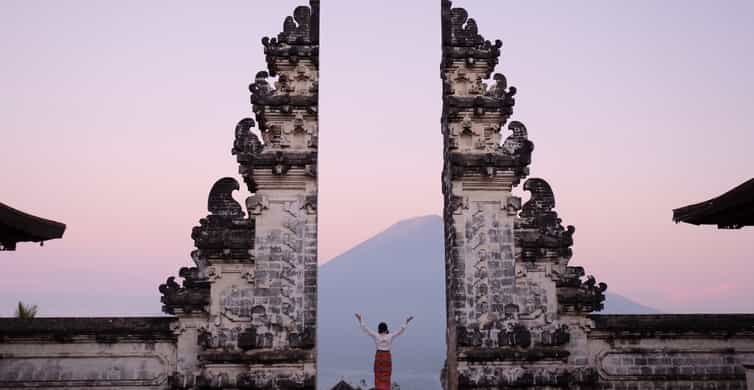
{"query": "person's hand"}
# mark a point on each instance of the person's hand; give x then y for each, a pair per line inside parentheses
(358, 316)
(409, 319)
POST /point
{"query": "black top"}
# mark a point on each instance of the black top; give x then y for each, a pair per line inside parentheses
(731, 210)
(17, 226)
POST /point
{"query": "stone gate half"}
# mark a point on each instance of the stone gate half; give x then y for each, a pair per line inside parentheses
(247, 312)
(517, 313)
(245, 315)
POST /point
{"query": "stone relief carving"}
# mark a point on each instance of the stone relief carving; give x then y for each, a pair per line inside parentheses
(237, 303)
(540, 233)
(66, 370)
(246, 144)
(225, 233)
(463, 31)
(221, 202)
(261, 88)
(192, 296)
(297, 28)
(261, 269)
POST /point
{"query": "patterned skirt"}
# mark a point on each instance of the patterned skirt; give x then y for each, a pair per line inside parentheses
(383, 370)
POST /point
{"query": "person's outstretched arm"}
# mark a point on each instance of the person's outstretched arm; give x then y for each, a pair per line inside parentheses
(402, 329)
(364, 327)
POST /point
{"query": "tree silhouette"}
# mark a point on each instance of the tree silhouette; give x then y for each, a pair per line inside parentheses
(26, 312)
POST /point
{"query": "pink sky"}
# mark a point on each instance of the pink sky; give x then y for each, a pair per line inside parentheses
(116, 119)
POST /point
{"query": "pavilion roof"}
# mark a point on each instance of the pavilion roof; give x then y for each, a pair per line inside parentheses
(731, 210)
(17, 226)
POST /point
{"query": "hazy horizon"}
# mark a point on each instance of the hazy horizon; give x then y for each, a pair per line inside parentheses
(118, 117)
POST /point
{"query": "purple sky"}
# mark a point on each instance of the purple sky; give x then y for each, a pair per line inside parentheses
(117, 117)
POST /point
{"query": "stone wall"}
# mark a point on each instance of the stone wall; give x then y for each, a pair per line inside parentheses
(672, 351)
(78, 353)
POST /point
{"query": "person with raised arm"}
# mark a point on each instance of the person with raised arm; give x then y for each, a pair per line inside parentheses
(383, 340)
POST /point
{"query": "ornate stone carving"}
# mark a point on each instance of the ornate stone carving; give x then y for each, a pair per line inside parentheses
(179, 381)
(221, 202)
(297, 28)
(462, 41)
(247, 144)
(535, 377)
(462, 30)
(225, 234)
(257, 380)
(258, 274)
(539, 232)
(518, 144)
(193, 296)
(223, 338)
(298, 41)
(504, 261)
(500, 89)
(580, 295)
(261, 87)
(214, 381)
(515, 335)
(556, 337)
(257, 204)
(474, 148)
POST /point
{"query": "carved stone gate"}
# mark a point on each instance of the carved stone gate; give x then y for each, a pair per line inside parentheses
(517, 313)
(245, 315)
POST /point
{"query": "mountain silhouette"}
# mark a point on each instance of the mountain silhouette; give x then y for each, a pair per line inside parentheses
(396, 273)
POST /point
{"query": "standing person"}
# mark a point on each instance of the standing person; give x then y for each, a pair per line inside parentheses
(383, 339)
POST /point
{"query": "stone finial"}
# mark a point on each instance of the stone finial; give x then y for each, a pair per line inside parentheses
(193, 296)
(468, 60)
(579, 295)
(540, 232)
(542, 198)
(221, 202)
(462, 42)
(297, 28)
(261, 87)
(225, 234)
(518, 144)
(461, 30)
(500, 89)
(300, 29)
(246, 144)
(299, 38)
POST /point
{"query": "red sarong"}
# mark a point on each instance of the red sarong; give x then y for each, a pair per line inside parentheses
(383, 370)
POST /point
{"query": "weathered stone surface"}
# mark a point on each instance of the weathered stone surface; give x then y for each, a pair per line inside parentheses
(148, 328)
(661, 325)
(517, 312)
(258, 329)
(672, 351)
(225, 234)
(72, 353)
(749, 366)
(192, 296)
(245, 313)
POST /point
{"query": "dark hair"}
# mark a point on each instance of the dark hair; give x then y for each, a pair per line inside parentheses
(382, 328)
